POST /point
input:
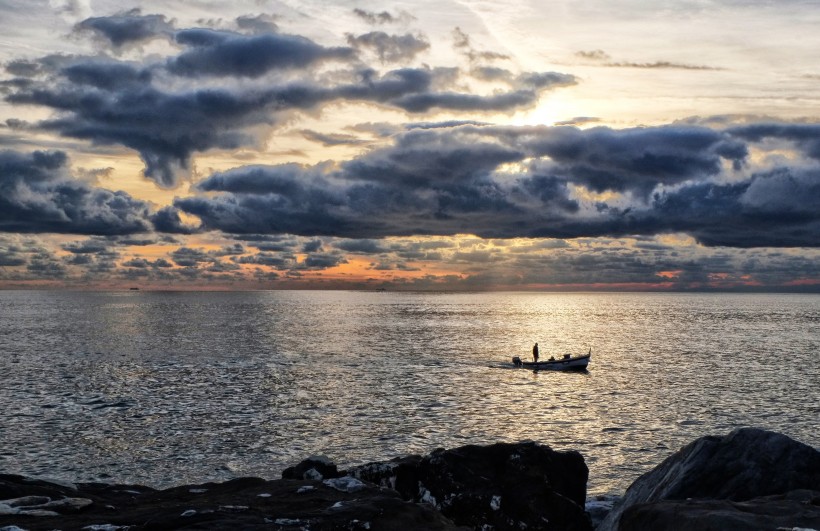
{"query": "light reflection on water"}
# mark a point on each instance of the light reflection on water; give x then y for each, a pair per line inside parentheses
(170, 388)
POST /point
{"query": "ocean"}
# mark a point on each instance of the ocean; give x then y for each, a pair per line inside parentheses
(166, 388)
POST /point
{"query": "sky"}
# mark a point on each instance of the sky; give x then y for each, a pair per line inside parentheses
(449, 145)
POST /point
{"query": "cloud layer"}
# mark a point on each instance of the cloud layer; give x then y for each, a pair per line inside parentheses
(217, 85)
(428, 185)
(536, 182)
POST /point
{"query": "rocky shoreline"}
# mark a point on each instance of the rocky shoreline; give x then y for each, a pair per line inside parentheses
(749, 479)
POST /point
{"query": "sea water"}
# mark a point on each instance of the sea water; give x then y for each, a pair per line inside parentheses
(165, 388)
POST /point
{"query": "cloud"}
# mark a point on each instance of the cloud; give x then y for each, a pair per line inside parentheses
(188, 257)
(665, 179)
(364, 246)
(38, 195)
(126, 28)
(390, 47)
(320, 261)
(662, 64)
(268, 259)
(90, 246)
(604, 59)
(463, 43)
(168, 220)
(579, 120)
(223, 89)
(165, 128)
(805, 136)
(595, 55)
(257, 24)
(636, 160)
(221, 53)
(45, 265)
(332, 139)
(382, 17)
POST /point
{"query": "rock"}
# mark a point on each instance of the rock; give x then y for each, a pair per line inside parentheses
(245, 503)
(748, 463)
(42, 505)
(316, 467)
(399, 474)
(345, 484)
(600, 506)
(502, 486)
(798, 509)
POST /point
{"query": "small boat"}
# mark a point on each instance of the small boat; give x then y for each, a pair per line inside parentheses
(565, 363)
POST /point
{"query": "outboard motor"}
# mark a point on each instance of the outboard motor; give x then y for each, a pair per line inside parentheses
(516, 361)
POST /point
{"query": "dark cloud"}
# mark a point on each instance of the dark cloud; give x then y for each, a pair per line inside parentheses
(45, 265)
(320, 261)
(442, 125)
(266, 242)
(38, 195)
(312, 246)
(364, 246)
(9, 257)
(662, 64)
(269, 259)
(780, 208)
(231, 250)
(115, 102)
(220, 53)
(23, 68)
(332, 139)
(419, 102)
(491, 73)
(453, 181)
(126, 28)
(382, 17)
(805, 136)
(90, 246)
(604, 59)
(636, 160)
(188, 257)
(106, 75)
(258, 23)
(390, 47)
(139, 263)
(128, 241)
(551, 191)
(463, 43)
(165, 129)
(167, 220)
(579, 120)
(595, 55)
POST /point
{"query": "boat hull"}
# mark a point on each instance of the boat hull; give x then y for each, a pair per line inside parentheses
(578, 363)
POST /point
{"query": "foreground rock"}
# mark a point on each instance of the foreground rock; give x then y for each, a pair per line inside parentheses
(247, 503)
(502, 486)
(799, 509)
(498, 487)
(750, 479)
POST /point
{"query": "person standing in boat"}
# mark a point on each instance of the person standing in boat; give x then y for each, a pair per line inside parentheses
(535, 353)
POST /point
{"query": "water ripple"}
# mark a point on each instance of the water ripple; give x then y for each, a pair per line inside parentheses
(169, 388)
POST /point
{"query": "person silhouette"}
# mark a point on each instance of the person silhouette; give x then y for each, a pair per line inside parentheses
(535, 353)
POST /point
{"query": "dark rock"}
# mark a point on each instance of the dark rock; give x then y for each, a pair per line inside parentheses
(315, 467)
(796, 509)
(748, 463)
(400, 474)
(246, 503)
(600, 506)
(502, 486)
